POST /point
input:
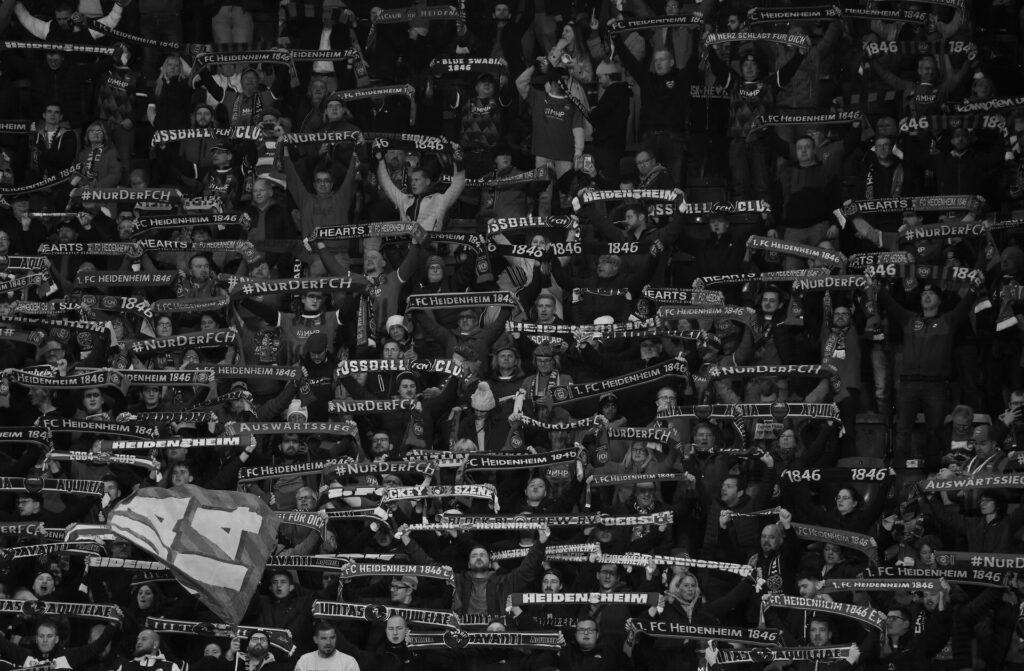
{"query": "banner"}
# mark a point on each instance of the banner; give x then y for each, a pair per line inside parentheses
(476, 461)
(757, 15)
(439, 67)
(637, 559)
(179, 378)
(530, 222)
(255, 473)
(445, 366)
(215, 542)
(279, 638)
(103, 378)
(370, 229)
(649, 434)
(659, 629)
(992, 105)
(300, 428)
(667, 369)
(683, 296)
(829, 119)
(96, 278)
(146, 195)
(836, 475)
(773, 277)
(363, 407)
(811, 252)
(104, 459)
(35, 485)
(655, 22)
(590, 197)
(61, 425)
(512, 640)
(863, 614)
(1007, 481)
(271, 56)
(907, 204)
(785, 39)
(174, 221)
(442, 301)
(962, 576)
(323, 137)
(248, 288)
(76, 548)
(337, 610)
(631, 598)
(25, 434)
(586, 549)
(947, 230)
(847, 539)
(763, 656)
(439, 572)
(486, 492)
(98, 612)
(166, 135)
(409, 141)
(665, 517)
(195, 340)
(175, 443)
(889, 585)
(60, 46)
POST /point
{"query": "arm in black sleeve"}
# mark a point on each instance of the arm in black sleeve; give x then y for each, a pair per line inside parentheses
(723, 73)
(788, 71)
(265, 312)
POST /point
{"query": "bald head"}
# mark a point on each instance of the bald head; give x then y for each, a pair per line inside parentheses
(771, 538)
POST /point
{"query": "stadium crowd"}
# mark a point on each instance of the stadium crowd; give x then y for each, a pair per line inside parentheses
(546, 334)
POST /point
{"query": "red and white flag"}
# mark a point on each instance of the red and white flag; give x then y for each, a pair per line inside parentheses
(216, 543)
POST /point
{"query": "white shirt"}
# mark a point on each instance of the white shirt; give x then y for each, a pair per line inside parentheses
(339, 661)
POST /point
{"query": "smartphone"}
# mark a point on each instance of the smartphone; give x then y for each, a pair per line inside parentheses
(588, 162)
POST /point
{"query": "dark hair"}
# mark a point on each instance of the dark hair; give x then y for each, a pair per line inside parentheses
(805, 137)
(741, 482)
(325, 625)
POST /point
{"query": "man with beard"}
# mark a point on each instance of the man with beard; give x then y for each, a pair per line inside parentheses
(194, 155)
(286, 488)
(776, 562)
(412, 427)
(326, 657)
(148, 655)
(480, 589)
(257, 655)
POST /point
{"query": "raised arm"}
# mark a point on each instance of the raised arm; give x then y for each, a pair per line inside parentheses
(37, 27)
